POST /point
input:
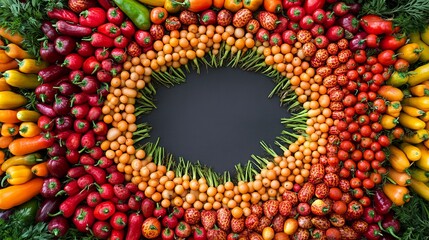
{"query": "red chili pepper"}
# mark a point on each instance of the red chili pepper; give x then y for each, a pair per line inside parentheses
(76, 172)
(63, 14)
(135, 222)
(49, 30)
(92, 17)
(374, 24)
(52, 73)
(382, 203)
(69, 205)
(72, 30)
(88, 140)
(109, 29)
(98, 173)
(85, 181)
(100, 40)
(106, 4)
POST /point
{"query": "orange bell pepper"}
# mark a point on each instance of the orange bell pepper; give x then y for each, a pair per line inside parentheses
(252, 5)
(273, 6)
(195, 5)
(233, 5)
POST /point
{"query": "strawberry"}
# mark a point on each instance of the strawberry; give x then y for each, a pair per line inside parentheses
(241, 17)
(303, 36)
(208, 219)
(183, 230)
(348, 233)
(317, 171)
(285, 208)
(121, 192)
(291, 197)
(216, 234)
(133, 49)
(252, 221)
(237, 224)
(192, 216)
(224, 218)
(267, 20)
(319, 207)
(306, 192)
(271, 208)
(187, 17)
(263, 223)
(224, 17)
(278, 223)
(256, 209)
(320, 222)
(337, 220)
(332, 179)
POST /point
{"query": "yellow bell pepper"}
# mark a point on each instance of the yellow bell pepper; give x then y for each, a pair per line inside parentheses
(16, 175)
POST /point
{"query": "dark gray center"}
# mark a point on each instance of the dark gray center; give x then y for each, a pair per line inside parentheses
(217, 117)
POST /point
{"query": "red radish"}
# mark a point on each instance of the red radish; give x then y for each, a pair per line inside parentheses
(350, 23)
(48, 52)
(276, 39)
(319, 16)
(88, 140)
(93, 199)
(118, 220)
(330, 19)
(317, 30)
(148, 206)
(61, 105)
(104, 76)
(294, 26)
(85, 181)
(116, 178)
(169, 221)
(159, 212)
(101, 229)
(262, 35)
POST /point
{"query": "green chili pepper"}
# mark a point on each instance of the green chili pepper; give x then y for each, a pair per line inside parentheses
(137, 12)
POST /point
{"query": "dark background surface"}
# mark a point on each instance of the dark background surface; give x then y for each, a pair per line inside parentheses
(217, 117)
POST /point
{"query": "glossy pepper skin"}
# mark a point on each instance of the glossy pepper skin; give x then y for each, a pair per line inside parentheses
(137, 12)
(20, 174)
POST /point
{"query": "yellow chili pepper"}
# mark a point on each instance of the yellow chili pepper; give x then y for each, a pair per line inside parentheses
(29, 65)
(27, 160)
(16, 195)
(21, 80)
(11, 100)
(420, 188)
(28, 115)
(399, 195)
